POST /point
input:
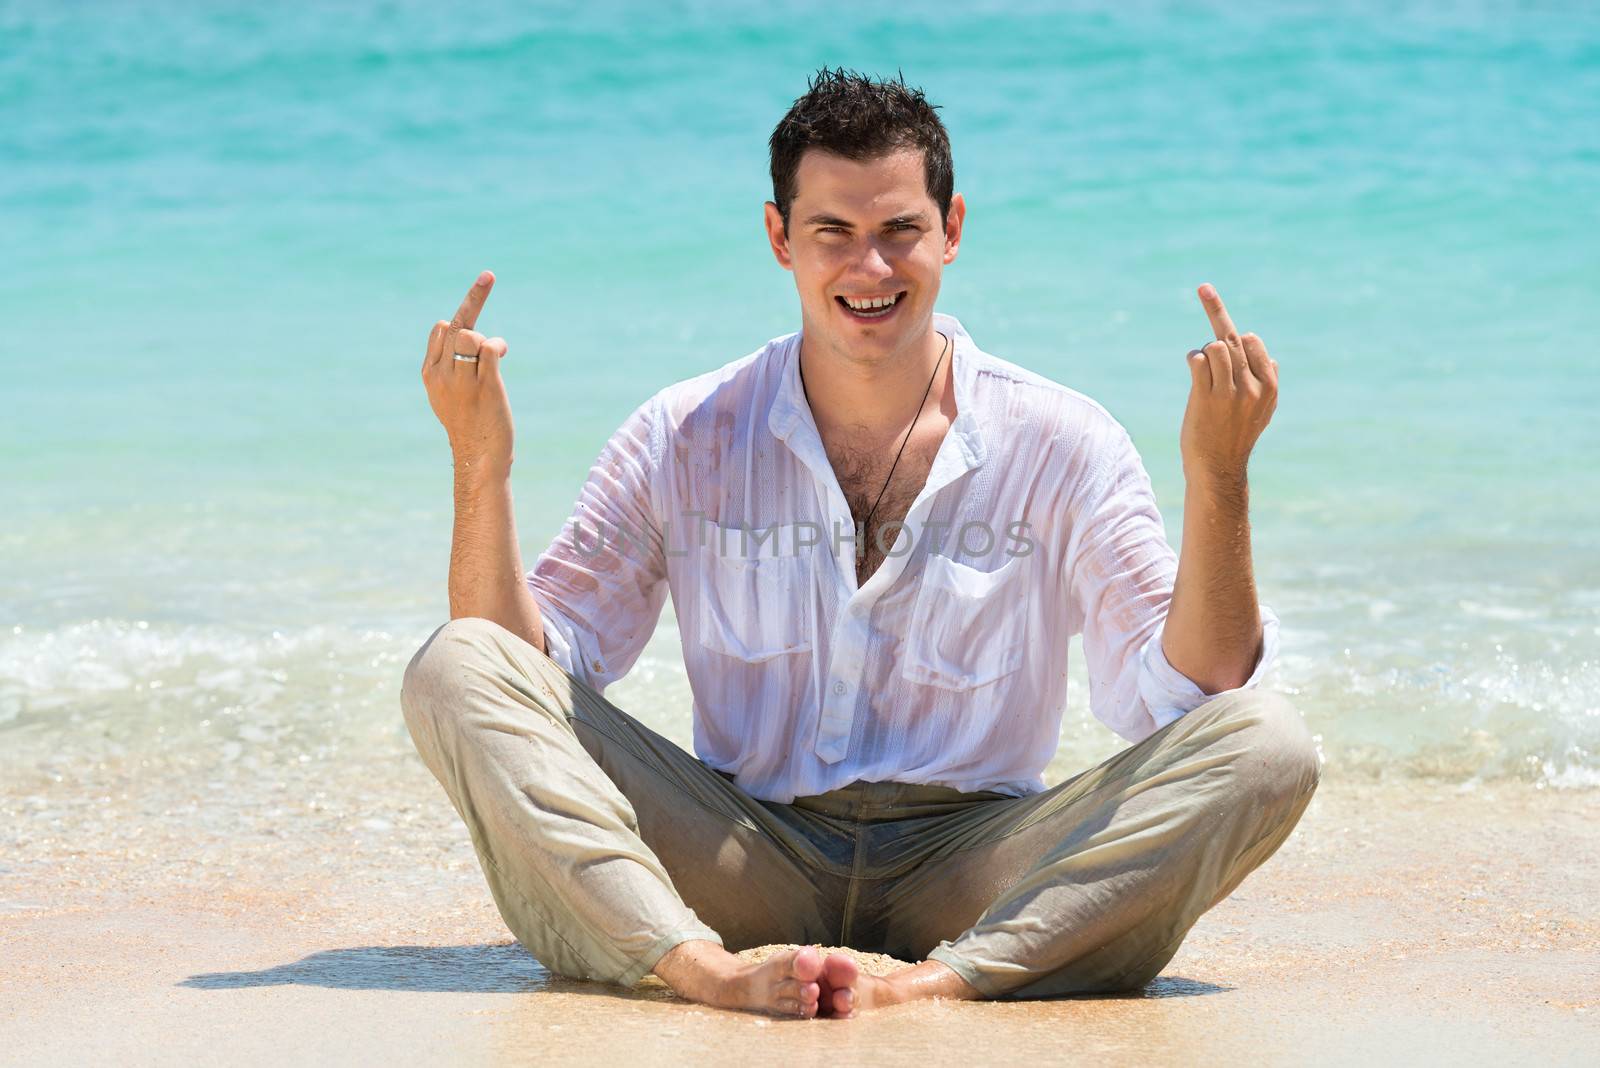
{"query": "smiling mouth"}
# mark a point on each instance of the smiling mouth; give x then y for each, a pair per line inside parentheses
(868, 309)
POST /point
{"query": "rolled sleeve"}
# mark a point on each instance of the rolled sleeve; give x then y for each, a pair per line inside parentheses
(560, 633)
(601, 583)
(1121, 572)
(1168, 693)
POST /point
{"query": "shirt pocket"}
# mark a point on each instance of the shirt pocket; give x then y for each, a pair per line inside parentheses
(754, 606)
(966, 626)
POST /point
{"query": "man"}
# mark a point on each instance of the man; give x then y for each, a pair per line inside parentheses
(879, 540)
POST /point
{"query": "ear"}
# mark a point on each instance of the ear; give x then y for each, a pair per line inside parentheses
(952, 227)
(777, 238)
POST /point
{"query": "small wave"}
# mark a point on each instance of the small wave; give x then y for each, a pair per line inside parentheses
(214, 695)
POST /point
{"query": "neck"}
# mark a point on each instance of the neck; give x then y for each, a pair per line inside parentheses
(876, 393)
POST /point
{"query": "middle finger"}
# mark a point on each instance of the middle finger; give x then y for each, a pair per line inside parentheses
(467, 314)
(1221, 323)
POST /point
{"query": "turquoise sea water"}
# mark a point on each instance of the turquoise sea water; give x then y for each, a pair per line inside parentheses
(228, 227)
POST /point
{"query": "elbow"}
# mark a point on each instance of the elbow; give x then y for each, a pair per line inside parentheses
(1222, 672)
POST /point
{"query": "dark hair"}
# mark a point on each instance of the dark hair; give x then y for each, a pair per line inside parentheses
(854, 116)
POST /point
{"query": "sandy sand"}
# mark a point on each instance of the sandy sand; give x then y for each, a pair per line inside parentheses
(1400, 920)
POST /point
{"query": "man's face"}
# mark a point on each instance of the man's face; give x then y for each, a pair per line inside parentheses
(865, 231)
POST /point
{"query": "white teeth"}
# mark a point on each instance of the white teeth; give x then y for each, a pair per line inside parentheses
(869, 303)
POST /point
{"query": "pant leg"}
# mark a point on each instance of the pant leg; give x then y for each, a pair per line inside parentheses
(586, 823)
(1101, 877)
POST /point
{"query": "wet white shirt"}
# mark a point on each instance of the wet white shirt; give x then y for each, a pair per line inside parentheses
(949, 665)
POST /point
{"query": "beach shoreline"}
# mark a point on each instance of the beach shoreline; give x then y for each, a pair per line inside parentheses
(1401, 918)
(226, 541)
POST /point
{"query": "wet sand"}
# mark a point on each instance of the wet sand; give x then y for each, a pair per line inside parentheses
(1403, 920)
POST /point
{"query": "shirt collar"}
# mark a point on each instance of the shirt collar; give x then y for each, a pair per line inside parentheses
(790, 412)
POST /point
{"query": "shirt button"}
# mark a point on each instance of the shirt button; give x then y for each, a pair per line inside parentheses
(840, 688)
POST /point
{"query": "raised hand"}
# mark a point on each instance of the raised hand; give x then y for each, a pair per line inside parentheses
(468, 395)
(1234, 392)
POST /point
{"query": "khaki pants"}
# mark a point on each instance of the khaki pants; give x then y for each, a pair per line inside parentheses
(605, 845)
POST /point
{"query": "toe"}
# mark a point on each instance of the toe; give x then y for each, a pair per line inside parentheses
(807, 964)
(840, 971)
(843, 1002)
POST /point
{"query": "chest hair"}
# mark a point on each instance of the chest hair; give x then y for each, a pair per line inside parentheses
(861, 471)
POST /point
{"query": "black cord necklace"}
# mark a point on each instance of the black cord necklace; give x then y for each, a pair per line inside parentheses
(867, 523)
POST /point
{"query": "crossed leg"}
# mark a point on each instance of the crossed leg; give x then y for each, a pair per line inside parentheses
(592, 830)
(1104, 874)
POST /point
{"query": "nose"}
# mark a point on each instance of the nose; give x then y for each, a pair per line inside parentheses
(873, 264)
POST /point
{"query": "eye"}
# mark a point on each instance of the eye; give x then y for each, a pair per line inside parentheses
(831, 230)
(902, 226)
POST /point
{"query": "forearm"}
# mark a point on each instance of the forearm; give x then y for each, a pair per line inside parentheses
(486, 576)
(1213, 629)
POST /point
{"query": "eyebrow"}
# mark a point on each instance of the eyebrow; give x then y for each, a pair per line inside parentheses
(831, 220)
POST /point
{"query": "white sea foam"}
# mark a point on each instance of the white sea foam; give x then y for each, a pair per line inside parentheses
(216, 694)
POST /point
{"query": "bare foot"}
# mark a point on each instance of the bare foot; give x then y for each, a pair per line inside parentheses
(847, 991)
(787, 984)
(798, 982)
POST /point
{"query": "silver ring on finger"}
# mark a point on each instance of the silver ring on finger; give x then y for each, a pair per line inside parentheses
(465, 358)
